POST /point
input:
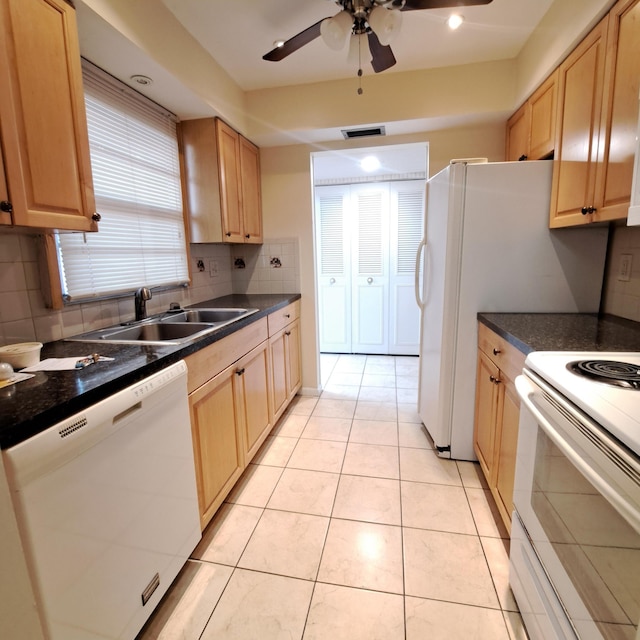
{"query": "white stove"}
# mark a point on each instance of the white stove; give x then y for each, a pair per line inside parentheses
(575, 534)
(592, 386)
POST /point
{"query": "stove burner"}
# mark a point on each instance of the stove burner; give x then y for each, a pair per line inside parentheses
(619, 374)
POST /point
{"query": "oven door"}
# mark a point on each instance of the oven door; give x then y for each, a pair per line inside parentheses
(577, 494)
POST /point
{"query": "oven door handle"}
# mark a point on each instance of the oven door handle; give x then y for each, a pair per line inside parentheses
(527, 391)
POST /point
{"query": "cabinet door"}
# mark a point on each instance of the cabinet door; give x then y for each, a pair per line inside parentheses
(507, 434)
(486, 413)
(619, 112)
(279, 382)
(42, 116)
(252, 379)
(543, 104)
(5, 216)
(251, 192)
(580, 81)
(518, 127)
(293, 359)
(230, 196)
(217, 443)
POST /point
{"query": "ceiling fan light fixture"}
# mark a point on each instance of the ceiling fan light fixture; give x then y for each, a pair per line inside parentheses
(278, 43)
(454, 21)
(334, 31)
(385, 23)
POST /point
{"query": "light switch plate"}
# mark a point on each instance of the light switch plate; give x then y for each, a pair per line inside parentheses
(624, 271)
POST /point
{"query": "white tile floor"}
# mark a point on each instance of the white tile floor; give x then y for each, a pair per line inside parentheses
(347, 525)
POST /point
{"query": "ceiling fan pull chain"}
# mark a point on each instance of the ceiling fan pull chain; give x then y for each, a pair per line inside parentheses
(360, 91)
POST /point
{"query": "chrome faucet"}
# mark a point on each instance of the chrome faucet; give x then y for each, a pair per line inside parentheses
(142, 295)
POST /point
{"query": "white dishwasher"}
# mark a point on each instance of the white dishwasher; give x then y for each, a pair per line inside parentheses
(107, 508)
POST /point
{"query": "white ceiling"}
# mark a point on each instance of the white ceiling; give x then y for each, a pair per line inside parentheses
(237, 33)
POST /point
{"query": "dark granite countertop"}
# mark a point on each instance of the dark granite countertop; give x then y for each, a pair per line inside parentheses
(564, 331)
(28, 407)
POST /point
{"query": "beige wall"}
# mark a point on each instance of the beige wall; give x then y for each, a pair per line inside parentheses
(478, 91)
(287, 204)
(562, 27)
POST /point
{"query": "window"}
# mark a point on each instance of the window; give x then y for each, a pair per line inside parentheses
(136, 176)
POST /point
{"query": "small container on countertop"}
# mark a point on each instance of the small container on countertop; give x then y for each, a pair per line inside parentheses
(23, 354)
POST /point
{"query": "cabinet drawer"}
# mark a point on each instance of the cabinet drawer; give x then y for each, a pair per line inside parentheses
(507, 358)
(282, 317)
(208, 362)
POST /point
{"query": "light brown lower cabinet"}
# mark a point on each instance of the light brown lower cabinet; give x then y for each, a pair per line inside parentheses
(232, 386)
(229, 401)
(497, 414)
(284, 345)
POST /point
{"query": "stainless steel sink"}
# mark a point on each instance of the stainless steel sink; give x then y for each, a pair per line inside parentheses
(158, 331)
(174, 327)
(208, 315)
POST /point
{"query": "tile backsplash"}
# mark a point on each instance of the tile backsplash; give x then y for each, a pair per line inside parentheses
(271, 267)
(622, 279)
(23, 316)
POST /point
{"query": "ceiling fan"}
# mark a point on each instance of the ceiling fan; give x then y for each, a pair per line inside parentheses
(379, 20)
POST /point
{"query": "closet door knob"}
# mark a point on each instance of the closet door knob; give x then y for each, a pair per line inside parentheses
(369, 280)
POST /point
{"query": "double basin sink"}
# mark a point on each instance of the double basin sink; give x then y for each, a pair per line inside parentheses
(170, 327)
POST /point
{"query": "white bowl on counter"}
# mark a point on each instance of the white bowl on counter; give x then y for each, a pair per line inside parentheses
(23, 354)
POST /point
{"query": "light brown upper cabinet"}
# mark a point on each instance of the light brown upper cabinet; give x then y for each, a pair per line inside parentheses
(619, 119)
(531, 129)
(581, 83)
(43, 127)
(518, 133)
(221, 170)
(597, 119)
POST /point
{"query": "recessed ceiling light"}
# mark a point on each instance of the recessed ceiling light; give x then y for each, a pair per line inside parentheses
(370, 163)
(143, 80)
(455, 20)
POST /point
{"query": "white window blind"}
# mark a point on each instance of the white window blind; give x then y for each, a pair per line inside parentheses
(136, 176)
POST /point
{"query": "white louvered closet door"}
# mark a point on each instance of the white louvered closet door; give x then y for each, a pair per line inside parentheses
(334, 275)
(406, 228)
(370, 264)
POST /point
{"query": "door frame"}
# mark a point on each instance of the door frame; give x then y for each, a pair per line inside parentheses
(410, 159)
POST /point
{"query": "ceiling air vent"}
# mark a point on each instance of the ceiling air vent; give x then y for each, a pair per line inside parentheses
(363, 133)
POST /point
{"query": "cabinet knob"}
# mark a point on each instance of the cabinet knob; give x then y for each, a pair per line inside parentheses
(287, 333)
(96, 217)
(287, 315)
(523, 157)
(247, 236)
(228, 234)
(496, 351)
(239, 372)
(495, 380)
(6, 206)
(587, 210)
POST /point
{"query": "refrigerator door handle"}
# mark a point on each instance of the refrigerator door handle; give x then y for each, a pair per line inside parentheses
(421, 246)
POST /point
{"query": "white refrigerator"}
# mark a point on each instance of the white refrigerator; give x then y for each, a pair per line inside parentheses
(487, 248)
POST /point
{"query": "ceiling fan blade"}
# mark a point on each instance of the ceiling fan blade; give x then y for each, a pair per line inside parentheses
(381, 55)
(295, 43)
(419, 5)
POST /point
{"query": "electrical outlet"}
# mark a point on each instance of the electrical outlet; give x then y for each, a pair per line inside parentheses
(213, 268)
(624, 271)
